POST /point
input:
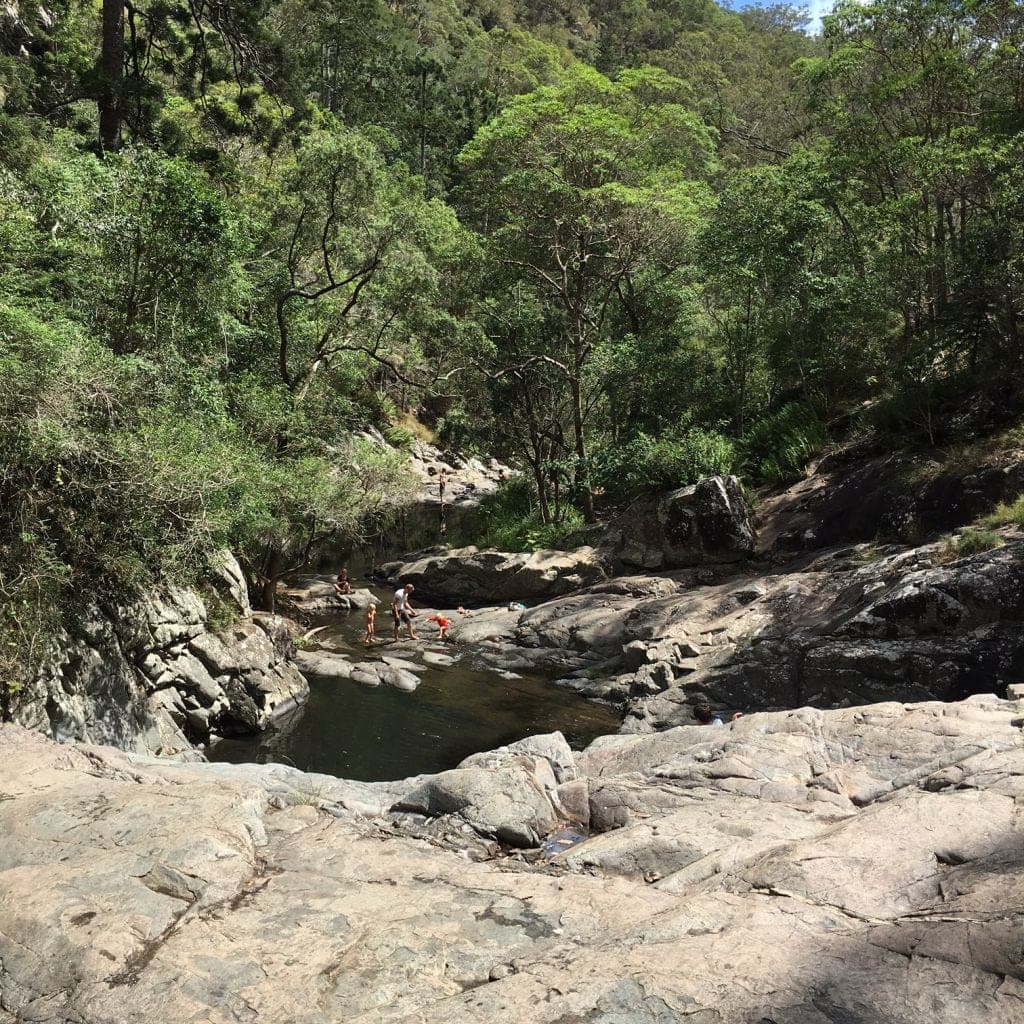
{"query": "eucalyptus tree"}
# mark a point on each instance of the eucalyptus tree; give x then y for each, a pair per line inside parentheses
(363, 285)
(921, 104)
(584, 192)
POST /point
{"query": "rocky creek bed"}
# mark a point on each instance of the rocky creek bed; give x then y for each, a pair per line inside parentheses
(804, 867)
(856, 861)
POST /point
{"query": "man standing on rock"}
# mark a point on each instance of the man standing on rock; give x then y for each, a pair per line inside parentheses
(402, 610)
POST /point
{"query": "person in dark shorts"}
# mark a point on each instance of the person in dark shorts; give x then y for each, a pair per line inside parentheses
(342, 585)
(402, 611)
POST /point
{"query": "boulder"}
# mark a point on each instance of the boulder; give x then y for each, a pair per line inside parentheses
(232, 579)
(189, 675)
(438, 660)
(399, 678)
(214, 653)
(314, 593)
(394, 672)
(505, 803)
(469, 576)
(324, 664)
(708, 522)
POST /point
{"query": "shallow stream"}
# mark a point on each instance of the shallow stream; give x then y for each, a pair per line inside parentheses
(354, 732)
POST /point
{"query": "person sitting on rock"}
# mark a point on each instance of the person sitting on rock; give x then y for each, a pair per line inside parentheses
(402, 610)
(705, 716)
(342, 585)
(443, 625)
(371, 615)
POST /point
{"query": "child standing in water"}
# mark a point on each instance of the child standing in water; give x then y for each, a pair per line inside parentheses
(371, 613)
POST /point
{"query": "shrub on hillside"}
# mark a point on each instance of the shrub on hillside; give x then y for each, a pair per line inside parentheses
(968, 542)
(777, 447)
(1007, 514)
(512, 520)
(645, 464)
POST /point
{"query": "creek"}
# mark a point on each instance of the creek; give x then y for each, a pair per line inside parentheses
(377, 734)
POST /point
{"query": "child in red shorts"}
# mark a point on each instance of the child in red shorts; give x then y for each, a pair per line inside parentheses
(443, 625)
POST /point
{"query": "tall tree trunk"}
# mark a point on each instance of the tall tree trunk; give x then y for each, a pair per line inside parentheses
(272, 573)
(536, 460)
(111, 75)
(582, 475)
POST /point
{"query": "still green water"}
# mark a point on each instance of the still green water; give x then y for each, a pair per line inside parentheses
(353, 732)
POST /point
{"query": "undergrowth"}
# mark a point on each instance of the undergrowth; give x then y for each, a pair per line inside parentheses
(1004, 514)
(968, 542)
(778, 447)
(512, 520)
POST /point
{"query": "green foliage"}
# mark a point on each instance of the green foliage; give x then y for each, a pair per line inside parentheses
(588, 191)
(221, 613)
(626, 275)
(1006, 514)
(400, 437)
(778, 447)
(648, 464)
(966, 543)
(512, 520)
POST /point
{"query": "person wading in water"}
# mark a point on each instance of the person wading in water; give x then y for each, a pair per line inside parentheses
(402, 610)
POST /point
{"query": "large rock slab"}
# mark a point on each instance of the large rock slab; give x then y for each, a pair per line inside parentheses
(845, 627)
(469, 576)
(802, 867)
(856, 495)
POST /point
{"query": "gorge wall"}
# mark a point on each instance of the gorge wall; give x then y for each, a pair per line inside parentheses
(163, 670)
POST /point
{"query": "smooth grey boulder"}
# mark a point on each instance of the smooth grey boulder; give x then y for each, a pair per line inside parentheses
(438, 660)
(398, 678)
(325, 664)
(403, 663)
(314, 592)
(506, 803)
(389, 671)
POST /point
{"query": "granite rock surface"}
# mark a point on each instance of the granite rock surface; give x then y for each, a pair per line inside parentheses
(802, 867)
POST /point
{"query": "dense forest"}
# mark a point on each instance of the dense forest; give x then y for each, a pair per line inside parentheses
(624, 243)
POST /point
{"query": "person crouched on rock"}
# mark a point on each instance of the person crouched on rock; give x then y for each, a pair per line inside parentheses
(443, 625)
(705, 716)
(342, 585)
(402, 610)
